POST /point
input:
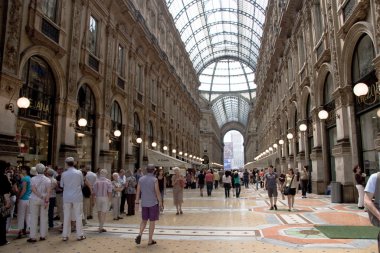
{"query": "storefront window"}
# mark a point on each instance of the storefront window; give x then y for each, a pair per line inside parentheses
(33, 142)
(370, 127)
(34, 123)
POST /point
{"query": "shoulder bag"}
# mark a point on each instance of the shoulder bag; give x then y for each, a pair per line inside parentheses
(287, 188)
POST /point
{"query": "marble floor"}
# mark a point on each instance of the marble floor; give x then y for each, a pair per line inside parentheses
(216, 224)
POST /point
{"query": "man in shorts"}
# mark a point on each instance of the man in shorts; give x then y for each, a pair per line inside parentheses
(270, 184)
(149, 191)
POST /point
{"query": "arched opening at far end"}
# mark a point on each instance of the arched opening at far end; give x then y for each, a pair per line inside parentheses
(233, 153)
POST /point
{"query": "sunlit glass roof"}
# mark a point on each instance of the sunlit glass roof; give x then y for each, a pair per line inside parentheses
(221, 34)
(231, 109)
(227, 76)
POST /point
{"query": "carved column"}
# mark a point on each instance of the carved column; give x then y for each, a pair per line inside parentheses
(342, 150)
(316, 155)
(9, 83)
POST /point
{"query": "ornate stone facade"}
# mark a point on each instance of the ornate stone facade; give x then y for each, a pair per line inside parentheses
(312, 40)
(167, 97)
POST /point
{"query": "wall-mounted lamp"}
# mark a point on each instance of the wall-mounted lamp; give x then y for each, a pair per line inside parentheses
(323, 114)
(80, 135)
(174, 151)
(190, 156)
(275, 145)
(281, 142)
(185, 154)
(82, 122)
(361, 89)
(165, 148)
(117, 133)
(270, 149)
(180, 153)
(302, 127)
(289, 136)
(139, 140)
(22, 102)
(154, 144)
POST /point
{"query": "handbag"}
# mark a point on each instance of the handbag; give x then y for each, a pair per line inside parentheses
(287, 188)
(373, 219)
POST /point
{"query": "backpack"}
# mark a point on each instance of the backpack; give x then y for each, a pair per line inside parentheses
(86, 191)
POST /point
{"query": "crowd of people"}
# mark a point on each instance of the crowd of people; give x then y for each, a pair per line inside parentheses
(74, 193)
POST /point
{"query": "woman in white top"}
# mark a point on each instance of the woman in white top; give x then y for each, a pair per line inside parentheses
(291, 181)
(226, 179)
(39, 203)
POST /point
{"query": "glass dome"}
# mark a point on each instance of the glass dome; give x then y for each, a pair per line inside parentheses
(223, 40)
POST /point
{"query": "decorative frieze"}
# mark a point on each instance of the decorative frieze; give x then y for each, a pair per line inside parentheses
(12, 37)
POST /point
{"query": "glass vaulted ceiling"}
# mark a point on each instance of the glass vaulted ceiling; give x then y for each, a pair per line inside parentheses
(222, 38)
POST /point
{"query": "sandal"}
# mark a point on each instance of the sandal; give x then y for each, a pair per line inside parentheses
(31, 240)
(81, 238)
(65, 239)
(138, 239)
(152, 242)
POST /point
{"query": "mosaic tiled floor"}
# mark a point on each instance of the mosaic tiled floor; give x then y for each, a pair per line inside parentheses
(226, 225)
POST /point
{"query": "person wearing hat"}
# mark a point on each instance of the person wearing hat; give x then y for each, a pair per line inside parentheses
(72, 183)
(33, 172)
(39, 204)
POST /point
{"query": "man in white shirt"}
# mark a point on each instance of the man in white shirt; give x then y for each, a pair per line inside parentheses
(72, 183)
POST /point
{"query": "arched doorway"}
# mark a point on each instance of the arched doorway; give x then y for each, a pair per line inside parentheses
(367, 108)
(85, 135)
(330, 127)
(34, 125)
(115, 138)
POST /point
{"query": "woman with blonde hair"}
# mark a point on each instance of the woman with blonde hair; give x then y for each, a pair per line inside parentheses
(178, 183)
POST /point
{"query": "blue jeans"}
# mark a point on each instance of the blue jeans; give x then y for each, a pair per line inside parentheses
(209, 188)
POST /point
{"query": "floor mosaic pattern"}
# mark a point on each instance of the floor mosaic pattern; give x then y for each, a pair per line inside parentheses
(229, 225)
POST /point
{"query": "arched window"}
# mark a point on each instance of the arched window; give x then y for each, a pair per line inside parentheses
(116, 118)
(362, 59)
(39, 87)
(34, 124)
(136, 124)
(150, 133)
(328, 89)
(86, 107)
(85, 136)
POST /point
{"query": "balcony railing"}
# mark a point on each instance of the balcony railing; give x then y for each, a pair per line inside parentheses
(93, 62)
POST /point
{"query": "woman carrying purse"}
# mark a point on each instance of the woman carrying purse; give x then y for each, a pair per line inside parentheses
(290, 187)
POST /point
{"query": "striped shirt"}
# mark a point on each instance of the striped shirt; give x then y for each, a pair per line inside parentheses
(102, 187)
